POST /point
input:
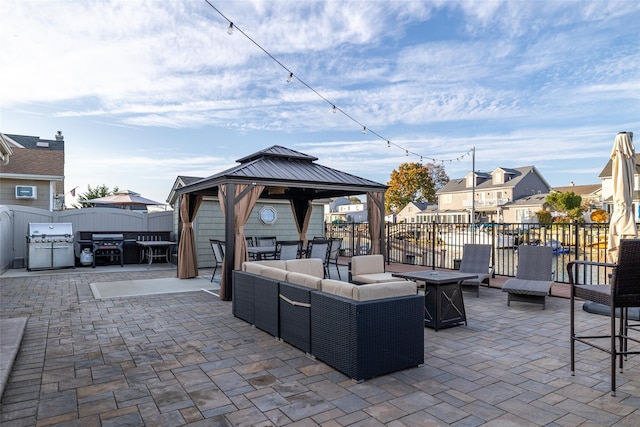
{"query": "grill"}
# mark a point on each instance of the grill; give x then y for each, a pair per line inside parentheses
(50, 246)
(109, 246)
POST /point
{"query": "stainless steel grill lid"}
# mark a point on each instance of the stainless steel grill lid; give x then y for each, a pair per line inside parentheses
(38, 229)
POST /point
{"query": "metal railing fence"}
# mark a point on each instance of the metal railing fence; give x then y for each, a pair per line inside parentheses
(441, 244)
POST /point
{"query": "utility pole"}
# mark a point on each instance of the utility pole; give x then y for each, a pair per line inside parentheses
(473, 194)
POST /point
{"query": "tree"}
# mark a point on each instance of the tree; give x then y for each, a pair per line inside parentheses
(569, 202)
(354, 199)
(93, 193)
(414, 182)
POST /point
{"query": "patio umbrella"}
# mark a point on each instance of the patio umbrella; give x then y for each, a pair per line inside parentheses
(124, 198)
(622, 224)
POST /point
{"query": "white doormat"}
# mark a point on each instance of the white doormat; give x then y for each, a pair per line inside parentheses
(127, 288)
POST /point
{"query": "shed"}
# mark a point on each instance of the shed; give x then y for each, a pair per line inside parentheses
(273, 173)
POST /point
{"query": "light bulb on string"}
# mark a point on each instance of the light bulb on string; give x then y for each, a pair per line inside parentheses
(230, 31)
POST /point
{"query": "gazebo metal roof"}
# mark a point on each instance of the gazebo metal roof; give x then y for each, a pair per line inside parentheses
(292, 172)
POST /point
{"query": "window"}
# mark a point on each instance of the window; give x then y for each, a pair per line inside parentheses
(268, 215)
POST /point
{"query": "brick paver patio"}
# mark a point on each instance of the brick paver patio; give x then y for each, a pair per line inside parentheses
(176, 359)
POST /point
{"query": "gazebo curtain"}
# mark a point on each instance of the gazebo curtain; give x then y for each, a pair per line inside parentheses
(375, 205)
(302, 215)
(187, 260)
(244, 201)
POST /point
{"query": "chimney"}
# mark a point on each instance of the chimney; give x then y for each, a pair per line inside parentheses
(59, 136)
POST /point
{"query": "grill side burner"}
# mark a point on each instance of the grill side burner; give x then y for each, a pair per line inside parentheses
(50, 245)
(109, 246)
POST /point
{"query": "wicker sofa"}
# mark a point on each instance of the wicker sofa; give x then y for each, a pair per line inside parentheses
(363, 331)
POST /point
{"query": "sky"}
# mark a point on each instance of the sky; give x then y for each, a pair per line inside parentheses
(146, 91)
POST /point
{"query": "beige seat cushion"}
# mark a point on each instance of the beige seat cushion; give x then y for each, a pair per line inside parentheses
(302, 279)
(367, 264)
(374, 278)
(312, 266)
(275, 263)
(369, 292)
(274, 273)
(251, 267)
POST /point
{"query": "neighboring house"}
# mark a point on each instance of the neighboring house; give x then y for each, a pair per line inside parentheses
(341, 209)
(607, 188)
(32, 171)
(492, 191)
(408, 213)
(429, 214)
(524, 209)
(591, 194)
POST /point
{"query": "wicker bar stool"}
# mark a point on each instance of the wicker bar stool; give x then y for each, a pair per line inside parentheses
(622, 293)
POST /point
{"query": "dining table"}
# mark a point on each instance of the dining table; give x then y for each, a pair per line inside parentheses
(443, 300)
(262, 252)
(155, 249)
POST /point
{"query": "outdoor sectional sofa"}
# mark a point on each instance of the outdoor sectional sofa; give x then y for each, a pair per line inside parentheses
(363, 331)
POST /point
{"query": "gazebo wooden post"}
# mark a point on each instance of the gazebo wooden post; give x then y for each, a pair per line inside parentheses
(383, 246)
(230, 241)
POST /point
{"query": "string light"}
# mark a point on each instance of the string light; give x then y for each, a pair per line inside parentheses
(335, 109)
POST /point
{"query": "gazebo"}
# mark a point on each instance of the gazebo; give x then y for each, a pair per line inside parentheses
(273, 173)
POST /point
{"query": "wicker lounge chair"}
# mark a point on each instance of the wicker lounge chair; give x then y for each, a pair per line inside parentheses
(622, 293)
(533, 277)
(475, 260)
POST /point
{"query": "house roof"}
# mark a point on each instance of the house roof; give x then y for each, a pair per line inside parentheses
(459, 184)
(294, 173)
(34, 156)
(606, 172)
(579, 189)
(35, 142)
(532, 200)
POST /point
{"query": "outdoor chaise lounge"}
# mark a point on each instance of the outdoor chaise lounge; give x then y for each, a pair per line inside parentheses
(475, 260)
(533, 277)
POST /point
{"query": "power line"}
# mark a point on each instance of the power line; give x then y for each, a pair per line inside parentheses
(233, 27)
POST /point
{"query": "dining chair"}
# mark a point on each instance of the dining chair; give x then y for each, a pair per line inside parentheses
(288, 249)
(333, 255)
(263, 241)
(217, 247)
(319, 249)
(250, 244)
(622, 292)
